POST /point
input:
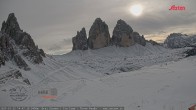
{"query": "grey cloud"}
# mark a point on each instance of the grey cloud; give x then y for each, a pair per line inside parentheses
(63, 46)
(51, 21)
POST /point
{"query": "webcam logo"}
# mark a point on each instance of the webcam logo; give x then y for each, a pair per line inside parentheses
(18, 93)
(174, 7)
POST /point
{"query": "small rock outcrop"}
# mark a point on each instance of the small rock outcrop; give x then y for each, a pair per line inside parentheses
(99, 36)
(14, 43)
(20, 62)
(139, 39)
(13, 74)
(153, 42)
(122, 34)
(80, 41)
(191, 52)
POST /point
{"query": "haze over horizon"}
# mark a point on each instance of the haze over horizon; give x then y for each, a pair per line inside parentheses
(52, 24)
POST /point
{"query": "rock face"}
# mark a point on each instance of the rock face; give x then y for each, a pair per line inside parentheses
(122, 34)
(2, 59)
(12, 75)
(99, 36)
(20, 62)
(14, 43)
(11, 26)
(80, 41)
(6, 48)
(192, 40)
(176, 40)
(139, 39)
(191, 52)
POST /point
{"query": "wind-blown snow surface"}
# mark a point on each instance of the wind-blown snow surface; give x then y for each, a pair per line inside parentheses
(112, 59)
(165, 82)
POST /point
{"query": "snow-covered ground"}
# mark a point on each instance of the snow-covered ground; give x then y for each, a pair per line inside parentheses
(113, 59)
(142, 78)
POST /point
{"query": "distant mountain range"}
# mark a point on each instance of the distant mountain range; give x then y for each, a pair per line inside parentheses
(178, 40)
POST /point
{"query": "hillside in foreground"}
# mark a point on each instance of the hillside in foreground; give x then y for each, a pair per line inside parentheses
(165, 86)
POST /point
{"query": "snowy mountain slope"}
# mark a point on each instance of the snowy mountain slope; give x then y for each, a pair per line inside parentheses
(178, 40)
(93, 63)
(113, 59)
(165, 86)
(83, 78)
(37, 73)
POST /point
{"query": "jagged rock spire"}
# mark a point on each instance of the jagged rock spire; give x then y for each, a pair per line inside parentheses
(11, 26)
(80, 40)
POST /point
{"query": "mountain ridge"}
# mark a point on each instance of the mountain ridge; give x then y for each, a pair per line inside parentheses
(99, 36)
(16, 43)
(178, 40)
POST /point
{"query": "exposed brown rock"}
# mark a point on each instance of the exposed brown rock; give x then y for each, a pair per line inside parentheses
(122, 34)
(99, 36)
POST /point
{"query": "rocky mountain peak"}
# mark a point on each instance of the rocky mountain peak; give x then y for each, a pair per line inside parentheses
(99, 36)
(123, 27)
(98, 20)
(16, 44)
(11, 26)
(83, 31)
(80, 40)
(176, 40)
(122, 34)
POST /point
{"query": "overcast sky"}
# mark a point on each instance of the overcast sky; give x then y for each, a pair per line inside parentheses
(52, 23)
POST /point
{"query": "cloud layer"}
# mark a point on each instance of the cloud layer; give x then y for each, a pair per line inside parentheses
(52, 23)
